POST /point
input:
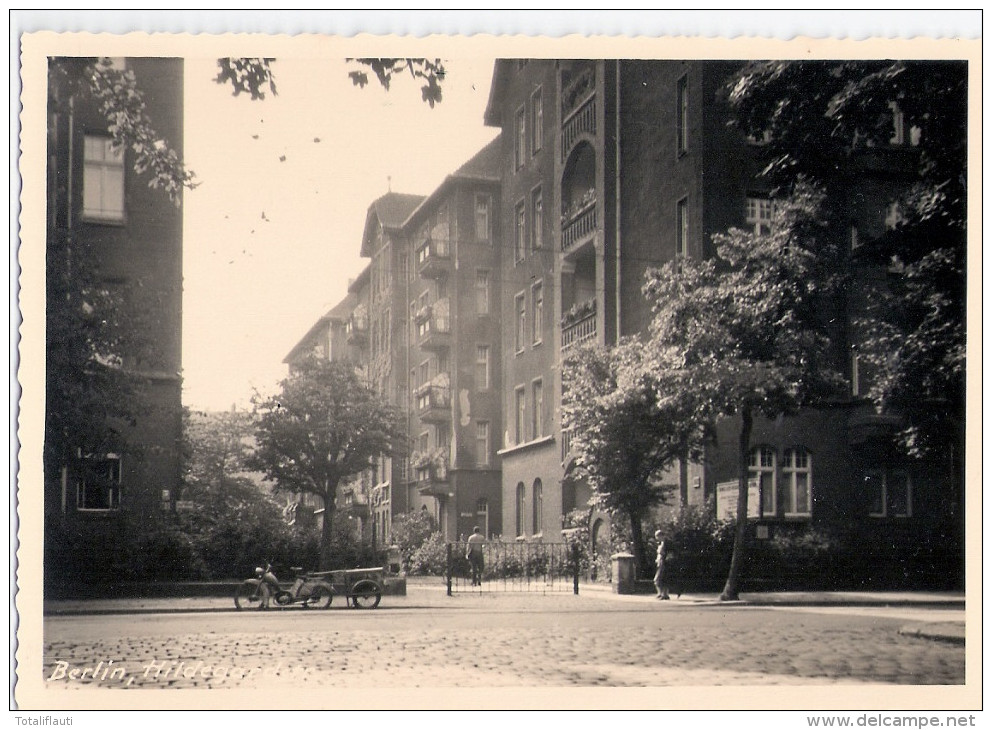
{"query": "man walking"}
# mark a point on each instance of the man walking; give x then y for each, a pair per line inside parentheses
(659, 575)
(474, 554)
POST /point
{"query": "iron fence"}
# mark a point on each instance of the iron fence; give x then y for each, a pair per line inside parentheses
(538, 567)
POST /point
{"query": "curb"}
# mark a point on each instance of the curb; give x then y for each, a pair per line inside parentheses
(952, 633)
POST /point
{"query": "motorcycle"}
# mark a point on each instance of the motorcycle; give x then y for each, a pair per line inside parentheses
(306, 589)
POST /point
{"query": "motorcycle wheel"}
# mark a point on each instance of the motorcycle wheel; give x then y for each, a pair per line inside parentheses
(248, 595)
(365, 594)
(320, 597)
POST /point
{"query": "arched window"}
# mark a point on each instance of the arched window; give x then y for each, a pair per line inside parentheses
(797, 472)
(761, 466)
(521, 489)
(538, 507)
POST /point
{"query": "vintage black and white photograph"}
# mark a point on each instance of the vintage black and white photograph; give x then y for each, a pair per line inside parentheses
(498, 373)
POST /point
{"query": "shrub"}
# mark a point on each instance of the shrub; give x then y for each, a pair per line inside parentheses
(409, 532)
(431, 557)
(699, 547)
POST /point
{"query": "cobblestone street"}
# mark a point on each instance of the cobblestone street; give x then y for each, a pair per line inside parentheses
(505, 641)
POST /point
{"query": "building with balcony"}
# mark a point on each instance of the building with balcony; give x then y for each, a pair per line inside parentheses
(638, 166)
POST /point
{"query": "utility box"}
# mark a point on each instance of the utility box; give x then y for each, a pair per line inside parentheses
(624, 574)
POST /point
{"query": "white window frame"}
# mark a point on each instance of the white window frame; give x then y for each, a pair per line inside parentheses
(791, 472)
(682, 115)
(682, 227)
(482, 443)
(758, 468)
(482, 289)
(759, 214)
(537, 304)
(483, 371)
(99, 171)
(519, 232)
(520, 321)
(483, 218)
(537, 219)
(537, 410)
(536, 121)
(519, 138)
(520, 413)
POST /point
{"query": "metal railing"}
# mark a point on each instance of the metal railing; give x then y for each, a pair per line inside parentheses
(517, 567)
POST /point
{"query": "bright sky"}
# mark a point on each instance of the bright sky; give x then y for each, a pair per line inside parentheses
(311, 159)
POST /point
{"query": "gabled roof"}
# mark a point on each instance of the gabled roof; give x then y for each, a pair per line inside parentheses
(389, 211)
(338, 313)
(483, 167)
(501, 70)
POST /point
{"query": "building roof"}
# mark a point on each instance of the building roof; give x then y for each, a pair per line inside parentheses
(501, 69)
(484, 166)
(361, 281)
(389, 211)
(338, 313)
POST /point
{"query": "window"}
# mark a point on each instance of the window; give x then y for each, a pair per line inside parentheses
(796, 472)
(482, 515)
(103, 180)
(537, 296)
(483, 230)
(759, 215)
(537, 425)
(537, 508)
(520, 396)
(482, 443)
(520, 233)
(536, 122)
(482, 292)
(682, 221)
(99, 486)
(521, 495)
(482, 367)
(761, 466)
(537, 219)
(682, 116)
(890, 493)
(521, 316)
(520, 138)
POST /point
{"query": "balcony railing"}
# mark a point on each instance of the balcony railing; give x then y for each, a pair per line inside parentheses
(434, 404)
(580, 326)
(578, 226)
(581, 121)
(433, 258)
(434, 333)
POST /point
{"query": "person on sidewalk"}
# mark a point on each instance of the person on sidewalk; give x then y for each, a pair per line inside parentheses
(474, 553)
(659, 574)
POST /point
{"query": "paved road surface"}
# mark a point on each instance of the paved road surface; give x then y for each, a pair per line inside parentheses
(501, 641)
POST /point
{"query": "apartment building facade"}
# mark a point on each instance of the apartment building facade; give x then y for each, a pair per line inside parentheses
(110, 235)
(633, 164)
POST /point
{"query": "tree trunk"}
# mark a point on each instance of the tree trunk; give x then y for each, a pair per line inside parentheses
(684, 478)
(327, 530)
(737, 559)
(637, 540)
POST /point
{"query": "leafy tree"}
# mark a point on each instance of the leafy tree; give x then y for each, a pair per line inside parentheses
(409, 532)
(819, 119)
(747, 327)
(324, 427)
(631, 416)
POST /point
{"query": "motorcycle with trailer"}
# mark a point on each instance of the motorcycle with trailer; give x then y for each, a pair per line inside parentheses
(361, 588)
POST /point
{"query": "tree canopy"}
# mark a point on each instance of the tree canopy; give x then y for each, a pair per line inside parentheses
(631, 417)
(818, 119)
(323, 427)
(748, 329)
